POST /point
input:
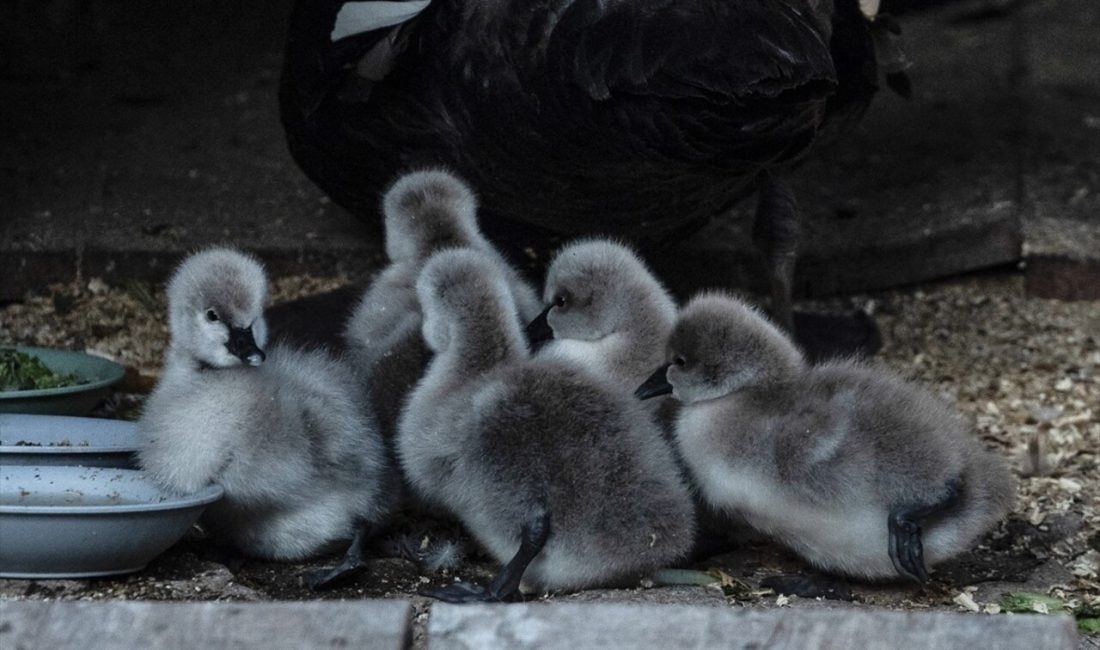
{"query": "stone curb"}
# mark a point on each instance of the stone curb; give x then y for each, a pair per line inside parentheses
(381, 624)
(577, 626)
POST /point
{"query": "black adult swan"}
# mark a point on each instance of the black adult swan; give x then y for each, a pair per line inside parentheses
(641, 119)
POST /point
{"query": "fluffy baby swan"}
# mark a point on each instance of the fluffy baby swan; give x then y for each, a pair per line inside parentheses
(552, 469)
(424, 212)
(605, 310)
(301, 462)
(859, 472)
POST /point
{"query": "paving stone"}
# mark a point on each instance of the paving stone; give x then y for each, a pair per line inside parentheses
(677, 595)
(574, 626)
(668, 595)
(382, 624)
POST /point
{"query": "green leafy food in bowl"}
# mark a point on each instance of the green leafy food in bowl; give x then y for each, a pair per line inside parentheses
(19, 371)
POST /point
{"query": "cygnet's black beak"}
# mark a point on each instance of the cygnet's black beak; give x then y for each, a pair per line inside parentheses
(242, 345)
(539, 331)
(656, 385)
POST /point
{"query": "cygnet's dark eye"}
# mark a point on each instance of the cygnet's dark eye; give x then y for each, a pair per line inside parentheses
(679, 361)
(559, 300)
(211, 316)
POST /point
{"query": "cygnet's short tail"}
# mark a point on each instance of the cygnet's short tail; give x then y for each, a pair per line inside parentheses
(988, 493)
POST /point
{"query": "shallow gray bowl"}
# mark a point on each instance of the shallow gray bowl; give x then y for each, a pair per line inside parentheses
(79, 522)
(62, 440)
(99, 373)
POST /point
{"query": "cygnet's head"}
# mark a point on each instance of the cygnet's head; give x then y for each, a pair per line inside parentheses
(464, 293)
(595, 288)
(215, 308)
(428, 211)
(721, 345)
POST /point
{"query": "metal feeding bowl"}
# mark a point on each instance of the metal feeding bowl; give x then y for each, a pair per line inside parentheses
(62, 440)
(79, 522)
(96, 374)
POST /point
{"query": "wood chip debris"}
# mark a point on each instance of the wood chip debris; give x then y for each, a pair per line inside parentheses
(1024, 372)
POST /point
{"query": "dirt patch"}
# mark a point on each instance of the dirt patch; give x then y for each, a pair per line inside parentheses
(1025, 371)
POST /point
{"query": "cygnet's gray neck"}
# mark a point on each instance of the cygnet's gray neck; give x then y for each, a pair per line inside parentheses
(640, 339)
(778, 383)
(792, 368)
(180, 365)
(485, 340)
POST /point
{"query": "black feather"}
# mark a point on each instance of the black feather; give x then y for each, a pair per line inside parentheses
(640, 118)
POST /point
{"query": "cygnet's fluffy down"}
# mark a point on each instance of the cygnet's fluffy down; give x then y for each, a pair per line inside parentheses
(551, 469)
(605, 310)
(300, 459)
(424, 211)
(858, 471)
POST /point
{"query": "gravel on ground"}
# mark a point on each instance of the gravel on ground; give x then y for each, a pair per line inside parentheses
(1024, 371)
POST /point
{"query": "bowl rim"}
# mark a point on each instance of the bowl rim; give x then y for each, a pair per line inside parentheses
(57, 450)
(114, 371)
(205, 496)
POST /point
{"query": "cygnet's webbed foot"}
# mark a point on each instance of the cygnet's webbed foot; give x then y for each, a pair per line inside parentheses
(815, 585)
(505, 586)
(831, 336)
(350, 566)
(321, 579)
(463, 592)
(904, 525)
(906, 548)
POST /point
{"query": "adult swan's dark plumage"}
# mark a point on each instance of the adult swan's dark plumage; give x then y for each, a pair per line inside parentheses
(636, 118)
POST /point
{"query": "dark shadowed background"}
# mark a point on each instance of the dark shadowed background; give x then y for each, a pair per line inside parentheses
(135, 131)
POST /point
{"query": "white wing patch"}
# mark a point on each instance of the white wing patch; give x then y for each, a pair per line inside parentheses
(359, 17)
